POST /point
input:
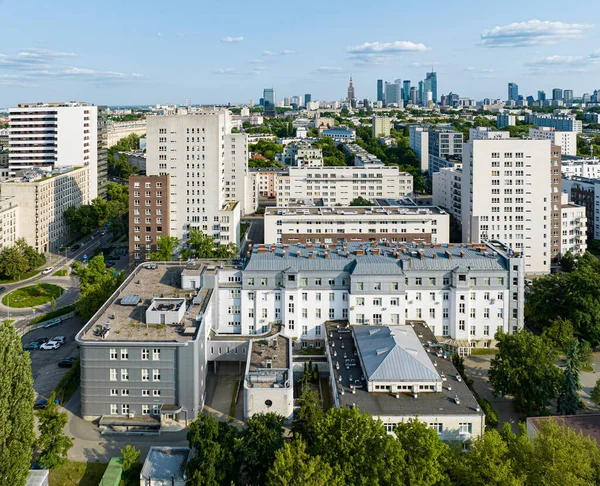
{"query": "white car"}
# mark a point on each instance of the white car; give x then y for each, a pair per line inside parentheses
(58, 339)
(50, 345)
(47, 270)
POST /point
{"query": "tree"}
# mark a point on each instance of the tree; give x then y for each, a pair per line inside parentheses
(130, 456)
(34, 259)
(13, 263)
(595, 395)
(293, 466)
(260, 441)
(577, 355)
(361, 201)
(52, 442)
(165, 247)
(358, 448)
(425, 455)
(568, 262)
(310, 413)
(203, 246)
(559, 333)
(525, 368)
(16, 408)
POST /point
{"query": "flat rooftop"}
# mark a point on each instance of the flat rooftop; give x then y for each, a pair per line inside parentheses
(128, 322)
(377, 211)
(274, 349)
(165, 463)
(385, 403)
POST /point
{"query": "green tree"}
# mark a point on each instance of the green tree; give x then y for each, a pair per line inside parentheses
(34, 259)
(595, 395)
(293, 466)
(266, 148)
(425, 455)
(130, 456)
(259, 442)
(559, 332)
(568, 262)
(200, 244)
(13, 263)
(568, 398)
(16, 408)
(310, 413)
(165, 247)
(525, 368)
(358, 448)
(228, 251)
(361, 201)
(52, 443)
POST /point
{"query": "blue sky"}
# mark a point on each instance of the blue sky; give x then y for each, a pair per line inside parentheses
(134, 52)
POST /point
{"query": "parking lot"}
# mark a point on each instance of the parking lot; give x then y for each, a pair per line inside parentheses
(44, 363)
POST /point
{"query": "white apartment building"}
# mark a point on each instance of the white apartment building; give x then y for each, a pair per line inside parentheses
(573, 227)
(9, 222)
(585, 192)
(117, 130)
(419, 143)
(506, 195)
(393, 224)
(361, 156)
(341, 185)
(447, 190)
(581, 167)
(49, 136)
(208, 166)
(381, 125)
(264, 180)
(42, 198)
(567, 141)
(302, 154)
(484, 133)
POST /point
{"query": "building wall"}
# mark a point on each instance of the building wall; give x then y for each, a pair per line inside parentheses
(567, 141)
(381, 125)
(586, 193)
(419, 143)
(118, 130)
(9, 222)
(446, 190)
(443, 143)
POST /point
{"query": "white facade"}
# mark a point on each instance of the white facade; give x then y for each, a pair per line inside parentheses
(567, 141)
(484, 133)
(118, 130)
(55, 135)
(506, 195)
(589, 168)
(208, 166)
(585, 192)
(419, 143)
(381, 125)
(574, 227)
(301, 154)
(447, 190)
(9, 222)
(394, 224)
(341, 185)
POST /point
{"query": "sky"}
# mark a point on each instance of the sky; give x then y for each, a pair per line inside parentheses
(132, 52)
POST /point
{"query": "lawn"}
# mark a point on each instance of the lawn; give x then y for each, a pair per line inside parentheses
(33, 295)
(81, 473)
(61, 273)
(51, 315)
(25, 276)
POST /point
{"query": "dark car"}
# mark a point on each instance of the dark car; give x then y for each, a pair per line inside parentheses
(66, 363)
(2, 289)
(32, 346)
(41, 340)
(40, 404)
(75, 247)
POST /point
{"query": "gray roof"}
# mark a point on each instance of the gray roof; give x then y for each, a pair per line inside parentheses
(165, 463)
(393, 354)
(370, 264)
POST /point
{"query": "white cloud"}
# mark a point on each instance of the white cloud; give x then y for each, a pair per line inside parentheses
(531, 33)
(470, 68)
(329, 69)
(595, 54)
(556, 61)
(381, 52)
(425, 64)
(287, 52)
(159, 34)
(232, 39)
(268, 53)
(225, 71)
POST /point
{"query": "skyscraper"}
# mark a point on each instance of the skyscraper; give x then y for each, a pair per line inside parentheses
(541, 96)
(568, 95)
(406, 90)
(557, 94)
(269, 101)
(391, 93)
(431, 84)
(307, 99)
(351, 94)
(380, 92)
(513, 91)
(420, 93)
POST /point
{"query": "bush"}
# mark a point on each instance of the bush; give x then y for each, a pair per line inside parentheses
(491, 416)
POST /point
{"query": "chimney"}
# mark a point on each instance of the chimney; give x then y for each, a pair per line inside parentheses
(376, 251)
(282, 253)
(462, 254)
(409, 262)
(309, 245)
(434, 255)
(448, 255)
(326, 255)
(310, 254)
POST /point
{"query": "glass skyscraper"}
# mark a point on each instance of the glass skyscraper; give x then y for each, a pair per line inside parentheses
(269, 100)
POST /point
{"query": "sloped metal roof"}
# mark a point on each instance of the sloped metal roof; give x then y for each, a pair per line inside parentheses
(393, 353)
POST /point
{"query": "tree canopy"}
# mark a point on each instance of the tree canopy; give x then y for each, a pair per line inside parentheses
(201, 245)
(361, 201)
(19, 259)
(52, 443)
(165, 248)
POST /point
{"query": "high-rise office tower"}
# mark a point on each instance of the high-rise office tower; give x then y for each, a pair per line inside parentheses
(351, 94)
(431, 84)
(391, 93)
(53, 135)
(568, 95)
(557, 94)
(406, 90)
(414, 95)
(269, 101)
(541, 96)
(307, 99)
(513, 91)
(421, 91)
(380, 92)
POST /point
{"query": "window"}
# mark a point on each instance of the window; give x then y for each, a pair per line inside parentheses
(446, 296)
(318, 313)
(125, 409)
(318, 330)
(360, 301)
(461, 325)
(486, 330)
(318, 281)
(472, 331)
(465, 428)
(418, 296)
(114, 392)
(145, 375)
(145, 354)
(113, 354)
(395, 286)
(377, 286)
(145, 393)
(418, 281)
(145, 409)
(389, 428)
(473, 313)
(331, 297)
(113, 374)
(438, 427)
(125, 393)
(445, 313)
(377, 301)
(446, 281)
(156, 354)
(331, 313)
(156, 393)
(303, 282)
(304, 330)
(155, 375)
(432, 296)
(431, 281)
(318, 296)
(291, 324)
(124, 354)
(114, 409)
(124, 374)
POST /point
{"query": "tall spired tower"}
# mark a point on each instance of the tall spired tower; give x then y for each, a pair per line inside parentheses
(350, 91)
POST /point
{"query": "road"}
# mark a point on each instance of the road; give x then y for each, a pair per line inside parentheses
(255, 233)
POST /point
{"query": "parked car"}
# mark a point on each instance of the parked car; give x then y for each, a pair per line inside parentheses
(59, 339)
(41, 340)
(66, 363)
(109, 265)
(40, 404)
(75, 247)
(52, 323)
(47, 270)
(2, 289)
(32, 346)
(50, 345)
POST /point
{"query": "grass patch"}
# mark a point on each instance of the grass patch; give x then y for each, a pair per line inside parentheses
(69, 383)
(483, 351)
(81, 473)
(33, 295)
(61, 273)
(25, 276)
(51, 315)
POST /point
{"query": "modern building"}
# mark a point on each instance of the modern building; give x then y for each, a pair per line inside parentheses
(445, 148)
(564, 123)
(307, 99)
(503, 120)
(264, 180)
(380, 91)
(419, 143)
(9, 222)
(360, 157)
(447, 190)
(513, 91)
(381, 126)
(541, 96)
(406, 91)
(149, 215)
(301, 154)
(408, 223)
(208, 167)
(339, 134)
(269, 102)
(330, 186)
(568, 96)
(405, 375)
(49, 136)
(585, 192)
(580, 167)
(42, 197)
(392, 93)
(485, 133)
(567, 141)
(115, 131)
(507, 195)
(557, 94)
(573, 229)
(430, 83)
(4, 137)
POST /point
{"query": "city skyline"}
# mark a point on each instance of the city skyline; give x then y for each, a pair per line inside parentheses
(72, 51)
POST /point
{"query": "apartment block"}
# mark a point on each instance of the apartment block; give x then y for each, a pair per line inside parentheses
(341, 185)
(565, 123)
(339, 134)
(567, 141)
(507, 195)
(351, 224)
(445, 149)
(503, 120)
(580, 167)
(9, 222)
(208, 168)
(302, 154)
(419, 143)
(263, 181)
(573, 229)
(49, 136)
(381, 125)
(117, 130)
(149, 215)
(484, 133)
(585, 192)
(360, 157)
(42, 198)
(447, 190)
